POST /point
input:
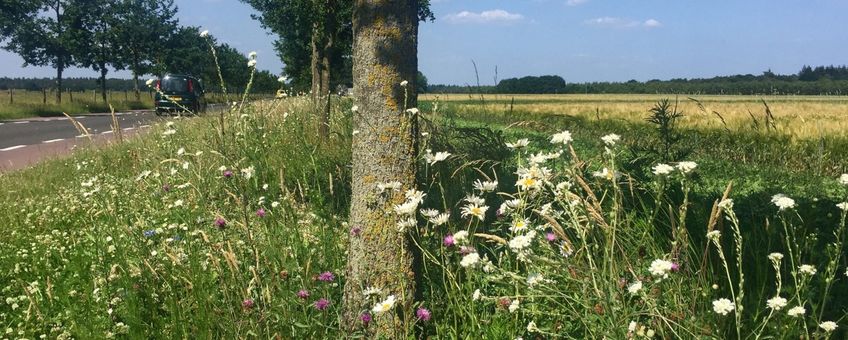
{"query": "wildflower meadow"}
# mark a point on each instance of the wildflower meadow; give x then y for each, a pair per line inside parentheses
(189, 232)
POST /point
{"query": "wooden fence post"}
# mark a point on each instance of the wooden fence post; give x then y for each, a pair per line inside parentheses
(70, 93)
(44, 96)
(94, 95)
(11, 99)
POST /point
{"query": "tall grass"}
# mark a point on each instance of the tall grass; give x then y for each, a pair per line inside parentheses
(193, 233)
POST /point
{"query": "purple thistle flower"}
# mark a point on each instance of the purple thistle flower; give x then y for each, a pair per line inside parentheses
(448, 241)
(247, 304)
(423, 314)
(303, 294)
(550, 237)
(220, 222)
(261, 212)
(228, 173)
(366, 318)
(466, 250)
(322, 304)
(675, 266)
(355, 231)
(326, 277)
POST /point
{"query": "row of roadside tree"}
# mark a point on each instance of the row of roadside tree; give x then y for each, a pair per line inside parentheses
(142, 36)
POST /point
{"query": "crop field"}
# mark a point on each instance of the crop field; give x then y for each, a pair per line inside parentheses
(804, 117)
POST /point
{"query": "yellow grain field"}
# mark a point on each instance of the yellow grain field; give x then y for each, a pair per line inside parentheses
(799, 116)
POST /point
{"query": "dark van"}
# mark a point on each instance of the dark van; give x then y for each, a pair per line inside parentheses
(179, 93)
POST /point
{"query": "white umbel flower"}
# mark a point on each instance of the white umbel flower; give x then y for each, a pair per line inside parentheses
(521, 242)
(796, 311)
(686, 167)
(611, 139)
(514, 306)
(634, 288)
(843, 206)
(782, 202)
(470, 260)
(252, 55)
(776, 303)
(828, 326)
(807, 269)
(663, 169)
(660, 268)
(723, 306)
(204, 34)
(460, 236)
(843, 179)
(251, 63)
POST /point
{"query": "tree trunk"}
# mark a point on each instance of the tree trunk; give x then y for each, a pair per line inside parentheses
(326, 55)
(60, 67)
(135, 76)
(315, 65)
(384, 55)
(103, 72)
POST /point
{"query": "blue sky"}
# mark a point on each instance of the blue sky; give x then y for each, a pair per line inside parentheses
(580, 40)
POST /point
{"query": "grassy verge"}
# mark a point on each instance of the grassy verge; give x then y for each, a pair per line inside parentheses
(206, 231)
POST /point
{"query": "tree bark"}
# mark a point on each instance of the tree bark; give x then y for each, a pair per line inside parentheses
(103, 72)
(60, 67)
(384, 55)
(326, 55)
(135, 76)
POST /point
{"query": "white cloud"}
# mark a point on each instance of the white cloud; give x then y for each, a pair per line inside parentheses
(613, 22)
(575, 2)
(495, 15)
(651, 23)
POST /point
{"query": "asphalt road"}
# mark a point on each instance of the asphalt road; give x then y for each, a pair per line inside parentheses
(28, 141)
(23, 133)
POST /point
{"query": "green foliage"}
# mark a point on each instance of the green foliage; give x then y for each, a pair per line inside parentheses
(532, 85)
(144, 26)
(664, 117)
(327, 25)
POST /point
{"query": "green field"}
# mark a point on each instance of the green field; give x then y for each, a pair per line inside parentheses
(27, 104)
(188, 232)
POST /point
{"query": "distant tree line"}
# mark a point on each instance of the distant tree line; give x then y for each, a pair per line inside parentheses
(821, 80)
(142, 36)
(265, 83)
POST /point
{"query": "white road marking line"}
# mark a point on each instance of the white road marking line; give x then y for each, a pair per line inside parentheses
(53, 141)
(22, 122)
(129, 129)
(82, 136)
(13, 147)
(144, 126)
(106, 132)
(2, 123)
